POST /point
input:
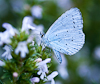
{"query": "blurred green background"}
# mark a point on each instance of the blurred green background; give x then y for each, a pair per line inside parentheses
(83, 67)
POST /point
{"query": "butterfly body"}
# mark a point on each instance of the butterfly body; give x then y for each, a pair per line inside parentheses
(65, 35)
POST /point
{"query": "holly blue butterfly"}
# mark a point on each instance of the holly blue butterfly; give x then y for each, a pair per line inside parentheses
(65, 35)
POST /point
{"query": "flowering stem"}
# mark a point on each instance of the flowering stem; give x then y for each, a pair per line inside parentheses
(26, 62)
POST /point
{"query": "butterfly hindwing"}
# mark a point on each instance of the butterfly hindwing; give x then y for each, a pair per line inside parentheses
(58, 56)
(69, 45)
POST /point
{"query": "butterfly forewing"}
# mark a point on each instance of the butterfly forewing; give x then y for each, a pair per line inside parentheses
(70, 19)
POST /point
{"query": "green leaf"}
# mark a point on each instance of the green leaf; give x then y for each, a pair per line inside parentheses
(24, 81)
(7, 75)
(36, 54)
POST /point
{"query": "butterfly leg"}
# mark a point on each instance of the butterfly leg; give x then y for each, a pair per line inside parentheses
(58, 56)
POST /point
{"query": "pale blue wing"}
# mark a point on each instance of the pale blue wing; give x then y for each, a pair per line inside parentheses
(66, 35)
(67, 42)
(70, 19)
(58, 56)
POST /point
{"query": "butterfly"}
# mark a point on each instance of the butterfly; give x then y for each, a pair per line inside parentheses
(65, 35)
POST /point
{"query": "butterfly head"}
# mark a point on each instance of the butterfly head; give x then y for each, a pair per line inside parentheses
(44, 41)
(41, 35)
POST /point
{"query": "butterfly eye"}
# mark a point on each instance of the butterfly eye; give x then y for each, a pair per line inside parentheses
(42, 35)
(74, 22)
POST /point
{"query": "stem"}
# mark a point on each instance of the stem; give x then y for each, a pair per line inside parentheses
(14, 81)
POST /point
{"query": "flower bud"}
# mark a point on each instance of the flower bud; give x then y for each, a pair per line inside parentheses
(38, 60)
(15, 74)
(35, 79)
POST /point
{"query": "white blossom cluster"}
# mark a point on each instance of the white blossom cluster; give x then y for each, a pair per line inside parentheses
(27, 24)
(43, 69)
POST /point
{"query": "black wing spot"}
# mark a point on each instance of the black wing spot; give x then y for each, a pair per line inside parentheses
(56, 34)
(75, 48)
(79, 32)
(74, 22)
(74, 26)
(60, 49)
(72, 40)
(67, 31)
(66, 44)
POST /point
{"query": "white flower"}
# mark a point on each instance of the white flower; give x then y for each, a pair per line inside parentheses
(43, 69)
(36, 29)
(30, 39)
(10, 29)
(36, 11)
(4, 37)
(35, 80)
(36, 33)
(39, 29)
(51, 77)
(7, 53)
(27, 24)
(22, 48)
(7, 34)
(2, 63)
